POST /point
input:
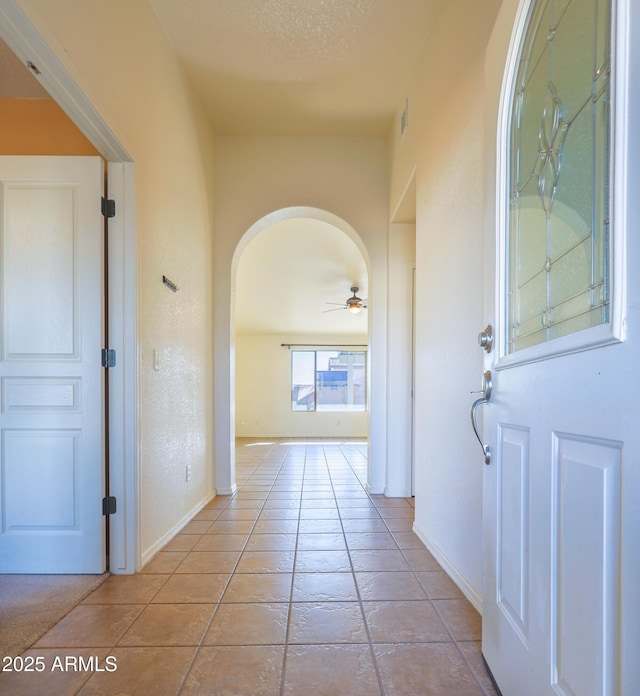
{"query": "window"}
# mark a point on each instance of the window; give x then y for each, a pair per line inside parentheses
(328, 380)
(558, 275)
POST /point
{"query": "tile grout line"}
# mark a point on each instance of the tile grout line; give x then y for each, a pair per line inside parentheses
(439, 614)
(145, 605)
(320, 472)
(431, 602)
(293, 577)
(355, 582)
(226, 585)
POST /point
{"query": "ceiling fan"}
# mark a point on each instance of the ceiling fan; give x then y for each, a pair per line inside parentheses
(353, 304)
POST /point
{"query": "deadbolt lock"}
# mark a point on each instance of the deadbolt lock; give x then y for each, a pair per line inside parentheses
(485, 338)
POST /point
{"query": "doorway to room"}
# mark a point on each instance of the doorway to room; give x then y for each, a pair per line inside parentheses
(30, 49)
(293, 273)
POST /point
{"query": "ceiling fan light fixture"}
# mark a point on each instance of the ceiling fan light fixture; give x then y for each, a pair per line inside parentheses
(354, 303)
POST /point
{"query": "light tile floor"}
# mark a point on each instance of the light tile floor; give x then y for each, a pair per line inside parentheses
(301, 584)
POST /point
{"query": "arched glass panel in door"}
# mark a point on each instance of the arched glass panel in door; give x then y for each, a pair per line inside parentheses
(558, 246)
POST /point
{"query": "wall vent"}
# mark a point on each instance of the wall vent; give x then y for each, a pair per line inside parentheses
(404, 118)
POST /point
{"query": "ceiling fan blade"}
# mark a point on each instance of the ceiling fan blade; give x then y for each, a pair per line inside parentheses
(353, 303)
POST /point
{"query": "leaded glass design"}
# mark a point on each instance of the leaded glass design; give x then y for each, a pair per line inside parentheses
(558, 221)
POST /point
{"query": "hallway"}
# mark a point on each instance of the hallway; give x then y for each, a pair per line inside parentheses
(301, 583)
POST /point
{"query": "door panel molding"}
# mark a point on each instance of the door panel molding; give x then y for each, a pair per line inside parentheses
(513, 527)
(33, 462)
(51, 321)
(585, 590)
(41, 394)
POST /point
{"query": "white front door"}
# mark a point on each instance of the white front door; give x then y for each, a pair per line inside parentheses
(51, 326)
(562, 489)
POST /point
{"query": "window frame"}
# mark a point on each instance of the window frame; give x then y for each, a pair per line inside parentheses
(613, 331)
(326, 408)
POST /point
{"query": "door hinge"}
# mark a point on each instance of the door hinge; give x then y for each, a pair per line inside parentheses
(108, 357)
(108, 207)
(109, 505)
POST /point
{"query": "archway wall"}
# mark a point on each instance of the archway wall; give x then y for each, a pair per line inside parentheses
(340, 180)
(263, 363)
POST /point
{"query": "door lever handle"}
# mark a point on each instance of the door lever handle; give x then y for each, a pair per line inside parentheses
(484, 399)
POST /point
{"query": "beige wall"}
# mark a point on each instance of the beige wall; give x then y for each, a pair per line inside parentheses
(444, 143)
(120, 58)
(263, 392)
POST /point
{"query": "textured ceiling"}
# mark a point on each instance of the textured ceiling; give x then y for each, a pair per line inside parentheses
(290, 67)
(299, 67)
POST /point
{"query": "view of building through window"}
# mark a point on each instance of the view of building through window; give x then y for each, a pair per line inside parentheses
(328, 380)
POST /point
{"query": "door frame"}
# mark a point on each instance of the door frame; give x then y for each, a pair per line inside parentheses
(25, 41)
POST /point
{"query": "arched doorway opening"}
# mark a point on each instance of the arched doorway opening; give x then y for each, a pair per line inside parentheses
(286, 269)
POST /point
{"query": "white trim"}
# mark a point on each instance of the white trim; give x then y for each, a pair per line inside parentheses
(123, 385)
(450, 569)
(577, 342)
(227, 491)
(621, 59)
(615, 330)
(403, 493)
(22, 37)
(504, 118)
(149, 553)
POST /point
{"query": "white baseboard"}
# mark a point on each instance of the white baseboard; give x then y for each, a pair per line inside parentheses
(397, 494)
(468, 590)
(373, 491)
(227, 491)
(181, 524)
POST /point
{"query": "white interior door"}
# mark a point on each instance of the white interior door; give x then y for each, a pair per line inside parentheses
(561, 492)
(51, 419)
